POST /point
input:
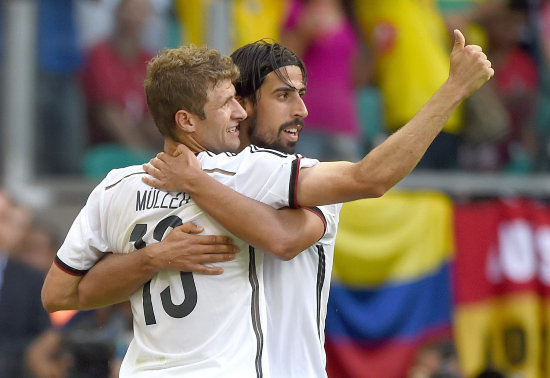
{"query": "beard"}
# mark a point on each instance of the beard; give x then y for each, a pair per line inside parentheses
(257, 139)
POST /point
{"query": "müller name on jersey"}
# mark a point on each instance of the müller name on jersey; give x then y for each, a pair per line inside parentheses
(155, 199)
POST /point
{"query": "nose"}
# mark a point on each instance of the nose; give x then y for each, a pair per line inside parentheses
(300, 109)
(238, 111)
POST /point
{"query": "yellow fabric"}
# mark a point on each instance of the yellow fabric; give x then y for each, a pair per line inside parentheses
(398, 237)
(251, 20)
(193, 17)
(256, 19)
(412, 46)
(511, 328)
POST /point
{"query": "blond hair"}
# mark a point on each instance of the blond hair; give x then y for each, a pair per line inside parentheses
(179, 79)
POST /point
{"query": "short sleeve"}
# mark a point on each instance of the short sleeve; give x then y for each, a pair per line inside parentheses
(84, 244)
(271, 177)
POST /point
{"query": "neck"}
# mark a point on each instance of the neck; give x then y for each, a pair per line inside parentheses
(171, 145)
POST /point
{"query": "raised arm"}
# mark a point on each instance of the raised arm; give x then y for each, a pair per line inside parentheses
(335, 182)
(396, 157)
(284, 233)
(116, 276)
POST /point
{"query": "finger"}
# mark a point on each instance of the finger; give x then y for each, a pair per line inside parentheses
(214, 239)
(459, 40)
(209, 258)
(156, 162)
(153, 171)
(190, 228)
(474, 48)
(482, 55)
(162, 157)
(154, 183)
(209, 270)
(197, 250)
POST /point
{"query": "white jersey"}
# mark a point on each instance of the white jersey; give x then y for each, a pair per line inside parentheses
(297, 295)
(187, 324)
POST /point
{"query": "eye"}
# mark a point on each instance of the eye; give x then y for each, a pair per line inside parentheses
(283, 95)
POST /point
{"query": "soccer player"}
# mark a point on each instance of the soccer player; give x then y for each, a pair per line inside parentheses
(296, 290)
(326, 183)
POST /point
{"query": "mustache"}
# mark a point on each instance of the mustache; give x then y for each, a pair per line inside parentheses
(295, 122)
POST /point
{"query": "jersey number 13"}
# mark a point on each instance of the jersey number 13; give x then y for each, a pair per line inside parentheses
(188, 283)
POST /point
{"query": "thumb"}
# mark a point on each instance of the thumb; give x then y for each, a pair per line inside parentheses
(190, 228)
(459, 40)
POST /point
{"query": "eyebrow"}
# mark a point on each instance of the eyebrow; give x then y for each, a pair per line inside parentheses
(226, 100)
(289, 89)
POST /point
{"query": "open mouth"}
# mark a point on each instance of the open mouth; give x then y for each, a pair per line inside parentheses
(233, 130)
(293, 131)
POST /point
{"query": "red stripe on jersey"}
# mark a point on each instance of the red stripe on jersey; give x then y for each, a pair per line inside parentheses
(319, 213)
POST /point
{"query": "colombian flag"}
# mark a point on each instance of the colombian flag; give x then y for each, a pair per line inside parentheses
(391, 290)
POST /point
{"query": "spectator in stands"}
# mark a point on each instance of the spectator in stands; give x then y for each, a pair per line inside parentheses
(38, 247)
(514, 89)
(516, 84)
(113, 84)
(322, 31)
(60, 121)
(410, 42)
(23, 320)
(96, 21)
(228, 25)
(540, 13)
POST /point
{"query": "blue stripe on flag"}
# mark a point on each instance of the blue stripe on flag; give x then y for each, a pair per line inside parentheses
(395, 311)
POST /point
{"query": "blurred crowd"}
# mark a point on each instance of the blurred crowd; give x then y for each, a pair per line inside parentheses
(34, 343)
(372, 64)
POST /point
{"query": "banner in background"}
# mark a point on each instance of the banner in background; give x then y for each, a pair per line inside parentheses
(502, 287)
(391, 286)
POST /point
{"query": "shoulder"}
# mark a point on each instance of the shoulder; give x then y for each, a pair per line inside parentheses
(117, 181)
(249, 155)
(123, 175)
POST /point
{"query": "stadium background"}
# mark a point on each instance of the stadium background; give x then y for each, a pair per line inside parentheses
(454, 262)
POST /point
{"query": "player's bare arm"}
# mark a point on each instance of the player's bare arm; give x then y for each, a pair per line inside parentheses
(116, 276)
(392, 160)
(284, 232)
(383, 167)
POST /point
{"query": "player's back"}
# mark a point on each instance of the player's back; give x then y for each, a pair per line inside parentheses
(185, 324)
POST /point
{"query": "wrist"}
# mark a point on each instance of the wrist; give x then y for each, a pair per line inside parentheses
(148, 261)
(453, 92)
(194, 182)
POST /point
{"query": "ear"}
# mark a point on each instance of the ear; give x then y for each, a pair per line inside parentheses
(185, 121)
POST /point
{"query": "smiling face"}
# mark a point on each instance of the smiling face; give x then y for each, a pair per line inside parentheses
(276, 119)
(219, 131)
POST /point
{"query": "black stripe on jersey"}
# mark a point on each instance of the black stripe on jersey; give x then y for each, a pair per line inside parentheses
(320, 281)
(68, 269)
(217, 170)
(131, 174)
(293, 184)
(318, 211)
(255, 310)
(254, 149)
